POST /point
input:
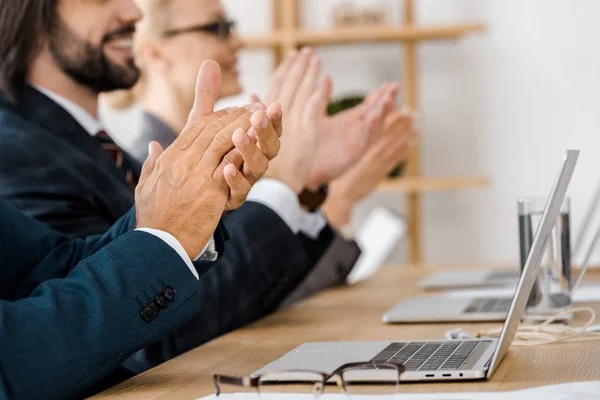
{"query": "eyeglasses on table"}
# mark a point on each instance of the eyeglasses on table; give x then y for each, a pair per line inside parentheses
(351, 379)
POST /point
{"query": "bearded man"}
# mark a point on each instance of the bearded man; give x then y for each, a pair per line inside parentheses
(59, 166)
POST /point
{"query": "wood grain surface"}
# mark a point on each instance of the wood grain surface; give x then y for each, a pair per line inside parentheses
(352, 313)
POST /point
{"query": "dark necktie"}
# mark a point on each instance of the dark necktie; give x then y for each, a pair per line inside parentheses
(120, 158)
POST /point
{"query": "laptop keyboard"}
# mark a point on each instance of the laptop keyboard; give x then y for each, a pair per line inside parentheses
(429, 356)
(489, 306)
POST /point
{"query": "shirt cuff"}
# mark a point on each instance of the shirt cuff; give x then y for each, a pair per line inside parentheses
(209, 253)
(175, 245)
(284, 202)
(311, 224)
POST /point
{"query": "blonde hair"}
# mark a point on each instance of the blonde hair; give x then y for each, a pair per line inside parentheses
(155, 21)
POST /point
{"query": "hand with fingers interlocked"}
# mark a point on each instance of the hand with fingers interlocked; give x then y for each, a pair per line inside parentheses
(210, 167)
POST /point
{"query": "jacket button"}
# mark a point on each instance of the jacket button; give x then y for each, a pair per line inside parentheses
(170, 293)
(149, 313)
(161, 301)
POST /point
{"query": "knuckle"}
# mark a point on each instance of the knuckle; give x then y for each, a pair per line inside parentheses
(213, 127)
(233, 157)
(221, 140)
(245, 118)
(240, 111)
(196, 123)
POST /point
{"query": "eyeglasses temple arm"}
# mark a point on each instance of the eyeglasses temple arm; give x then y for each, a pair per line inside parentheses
(245, 381)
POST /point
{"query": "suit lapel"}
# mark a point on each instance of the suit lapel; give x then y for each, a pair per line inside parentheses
(37, 108)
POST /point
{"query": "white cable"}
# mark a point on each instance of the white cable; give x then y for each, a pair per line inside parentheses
(544, 333)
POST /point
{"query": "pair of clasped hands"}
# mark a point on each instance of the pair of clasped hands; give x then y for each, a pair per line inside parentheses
(219, 156)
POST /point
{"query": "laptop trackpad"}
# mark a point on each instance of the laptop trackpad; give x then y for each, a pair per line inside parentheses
(325, 357)
(427, 309)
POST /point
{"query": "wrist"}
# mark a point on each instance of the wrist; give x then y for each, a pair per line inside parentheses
(295, 184)
(192, 243)
(337, 212)
(192, 247)
(316, 180)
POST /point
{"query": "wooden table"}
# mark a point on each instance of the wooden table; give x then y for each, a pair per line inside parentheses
(352, 313)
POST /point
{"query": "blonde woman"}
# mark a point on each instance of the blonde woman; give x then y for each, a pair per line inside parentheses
(174, 38)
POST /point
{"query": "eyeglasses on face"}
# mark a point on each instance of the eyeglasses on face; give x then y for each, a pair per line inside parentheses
(351, 379)
(222, 29)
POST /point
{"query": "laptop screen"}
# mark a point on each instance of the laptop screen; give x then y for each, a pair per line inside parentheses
(530, 271)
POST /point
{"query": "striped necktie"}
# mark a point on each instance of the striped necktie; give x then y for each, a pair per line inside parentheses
(120, 158)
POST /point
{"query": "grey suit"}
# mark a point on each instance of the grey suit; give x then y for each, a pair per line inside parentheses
(152, 129)
(333, 267)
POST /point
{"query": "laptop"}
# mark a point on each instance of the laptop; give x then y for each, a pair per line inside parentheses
(449, 280)
(467, 308)
(438, 360)
(457, 309)
(442, 280)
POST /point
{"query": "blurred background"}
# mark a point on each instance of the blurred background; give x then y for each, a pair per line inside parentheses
(499, 105)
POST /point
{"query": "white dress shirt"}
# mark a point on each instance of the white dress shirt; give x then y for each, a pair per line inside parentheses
(269, 192)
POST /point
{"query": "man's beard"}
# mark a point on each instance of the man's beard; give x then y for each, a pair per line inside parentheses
(87, 64)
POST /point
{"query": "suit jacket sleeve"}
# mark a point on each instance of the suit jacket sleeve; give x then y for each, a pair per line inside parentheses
(72, 332)
(263, 262)
(332, 269)
(45, 254)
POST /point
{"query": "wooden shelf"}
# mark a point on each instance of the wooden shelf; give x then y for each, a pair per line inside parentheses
(259, 42)
(288, 34)
(367, 34)
(438, 184)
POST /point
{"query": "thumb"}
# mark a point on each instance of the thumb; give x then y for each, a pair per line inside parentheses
(154, 151)
(207, 90)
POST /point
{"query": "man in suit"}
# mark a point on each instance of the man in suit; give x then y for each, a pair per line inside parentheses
(126, 289)
(59, 166)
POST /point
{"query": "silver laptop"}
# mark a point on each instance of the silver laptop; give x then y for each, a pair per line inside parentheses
(439, 360)
(448, 280)
(442, 280)
(445, 309)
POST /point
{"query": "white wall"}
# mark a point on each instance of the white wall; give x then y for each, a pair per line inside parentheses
(504, 104)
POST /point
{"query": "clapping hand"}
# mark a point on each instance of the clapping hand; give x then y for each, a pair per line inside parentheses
(210, 167)
(294, 86)
(344, 138)
(397, 140)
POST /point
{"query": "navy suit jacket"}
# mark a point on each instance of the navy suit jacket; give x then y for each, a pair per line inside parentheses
(65, 336)
(330, 270)
(53, 170)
